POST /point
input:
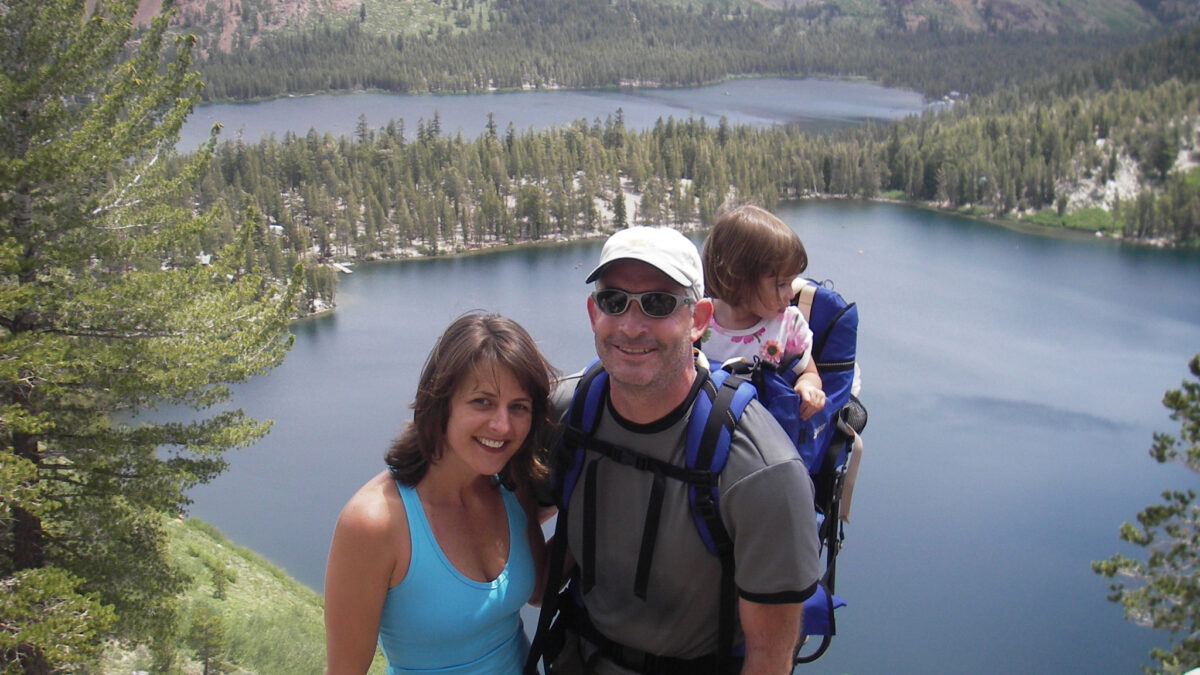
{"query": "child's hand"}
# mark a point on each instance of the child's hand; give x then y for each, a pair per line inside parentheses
(812, 398)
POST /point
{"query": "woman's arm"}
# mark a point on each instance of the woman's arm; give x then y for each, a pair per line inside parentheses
(363, 564)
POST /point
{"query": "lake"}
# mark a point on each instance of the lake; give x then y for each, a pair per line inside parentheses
(812, 104)
(1013, 383)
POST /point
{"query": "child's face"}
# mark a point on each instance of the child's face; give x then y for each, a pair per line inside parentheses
(774, 294)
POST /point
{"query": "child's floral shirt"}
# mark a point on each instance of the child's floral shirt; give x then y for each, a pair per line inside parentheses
(774, 341)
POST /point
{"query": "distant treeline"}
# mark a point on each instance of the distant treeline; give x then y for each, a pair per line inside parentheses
(597, 43)
(385, 190)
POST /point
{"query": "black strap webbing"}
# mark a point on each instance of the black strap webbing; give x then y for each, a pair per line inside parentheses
(588, 563)
(720, 418)
(554, 583)
(701, 478)
(728, 610)
(637, 660)
(649, 534)
(637, 460)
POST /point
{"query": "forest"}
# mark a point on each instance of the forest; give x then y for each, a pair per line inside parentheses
(594, 43)
(1012, 154)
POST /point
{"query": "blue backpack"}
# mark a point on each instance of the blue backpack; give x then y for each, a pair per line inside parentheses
(834, 324)
(774, 386)
(829, 441)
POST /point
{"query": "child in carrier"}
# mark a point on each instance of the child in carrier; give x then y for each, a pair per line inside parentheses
(750, 259)
(752, 264)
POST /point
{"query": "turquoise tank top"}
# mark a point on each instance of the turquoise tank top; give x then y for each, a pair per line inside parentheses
(436, 619)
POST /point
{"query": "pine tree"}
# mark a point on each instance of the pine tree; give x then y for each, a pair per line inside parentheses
(207, 637)
(1168, 597)
(619, 215)
(105, 314)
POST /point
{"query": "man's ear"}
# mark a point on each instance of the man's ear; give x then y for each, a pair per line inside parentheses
(701, 314)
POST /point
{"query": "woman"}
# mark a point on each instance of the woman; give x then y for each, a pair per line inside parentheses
(434, 557)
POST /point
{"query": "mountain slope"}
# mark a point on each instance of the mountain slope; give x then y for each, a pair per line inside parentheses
(265, 621)
(222, 23)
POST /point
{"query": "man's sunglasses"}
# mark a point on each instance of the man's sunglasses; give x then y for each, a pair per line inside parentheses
(654, 304)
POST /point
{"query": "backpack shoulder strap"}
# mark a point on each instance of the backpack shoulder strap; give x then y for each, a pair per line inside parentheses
(826, 311)
(802, 298)
(585, 409)
(714, 416)
(581, 421)
(715, 413)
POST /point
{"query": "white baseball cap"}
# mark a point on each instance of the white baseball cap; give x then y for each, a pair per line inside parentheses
(663, 248)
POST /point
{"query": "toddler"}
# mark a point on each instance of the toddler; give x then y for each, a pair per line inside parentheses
(750, 259)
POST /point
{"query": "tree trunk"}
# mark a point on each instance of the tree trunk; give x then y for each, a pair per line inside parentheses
(28, 541)
(28, 658)
(29, 538)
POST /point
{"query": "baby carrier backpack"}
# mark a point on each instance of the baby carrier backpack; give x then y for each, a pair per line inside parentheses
(828, 442)
(831, 437)
(714, 415)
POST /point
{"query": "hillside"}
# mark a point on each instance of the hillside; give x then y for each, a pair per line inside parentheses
(248, 614)
(224, 24)
(223, 20)
(1036, 15)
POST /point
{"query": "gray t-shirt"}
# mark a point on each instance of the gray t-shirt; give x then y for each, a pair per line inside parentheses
(766, 503)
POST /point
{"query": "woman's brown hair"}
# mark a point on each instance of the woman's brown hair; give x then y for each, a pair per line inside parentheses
(471, 344)
(744, 245)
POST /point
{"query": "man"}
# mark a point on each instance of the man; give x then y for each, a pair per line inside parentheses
(651, 604)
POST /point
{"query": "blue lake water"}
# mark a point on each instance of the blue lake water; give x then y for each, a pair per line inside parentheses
(813, 104)
(1013, 383)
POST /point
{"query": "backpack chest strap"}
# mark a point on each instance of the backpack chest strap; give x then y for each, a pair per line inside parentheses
(660, 471)
(718, 404)
(693, 477)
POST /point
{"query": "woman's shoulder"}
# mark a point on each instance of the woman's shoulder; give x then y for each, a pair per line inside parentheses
(371, 537)
(374, 509)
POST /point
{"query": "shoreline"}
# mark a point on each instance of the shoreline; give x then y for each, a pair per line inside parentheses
(1016, 225)
(1022, 226)
(528, 87)
(460, 250)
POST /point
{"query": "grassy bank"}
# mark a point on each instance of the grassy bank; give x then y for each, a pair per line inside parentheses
(249, 615)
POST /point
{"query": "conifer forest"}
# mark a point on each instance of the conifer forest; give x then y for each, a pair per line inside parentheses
(1009, 153)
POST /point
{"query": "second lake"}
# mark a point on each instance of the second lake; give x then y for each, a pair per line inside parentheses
(812, 104)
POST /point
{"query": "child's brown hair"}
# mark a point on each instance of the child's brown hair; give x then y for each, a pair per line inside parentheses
(744, 245)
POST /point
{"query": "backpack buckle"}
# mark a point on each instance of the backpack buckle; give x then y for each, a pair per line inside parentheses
(705, 506)
(622, 455)
(700, 478)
